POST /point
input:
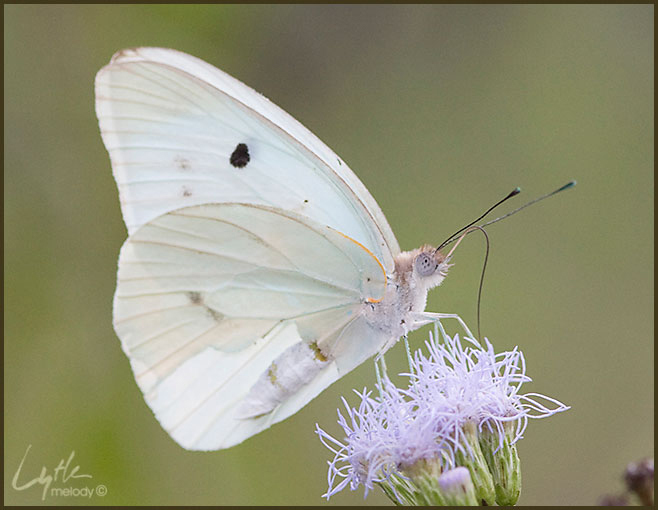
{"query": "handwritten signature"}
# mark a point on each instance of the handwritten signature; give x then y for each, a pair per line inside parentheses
(62, 473)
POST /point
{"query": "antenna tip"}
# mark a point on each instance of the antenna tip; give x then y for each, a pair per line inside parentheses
(515, 191)
(568, 185)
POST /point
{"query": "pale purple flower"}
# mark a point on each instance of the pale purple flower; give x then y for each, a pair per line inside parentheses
(383, 435)
(473, 384)
(425, 423)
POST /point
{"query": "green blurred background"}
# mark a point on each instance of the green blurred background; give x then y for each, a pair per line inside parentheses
(440, 110)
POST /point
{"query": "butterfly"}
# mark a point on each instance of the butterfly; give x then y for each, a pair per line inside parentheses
(258, 268)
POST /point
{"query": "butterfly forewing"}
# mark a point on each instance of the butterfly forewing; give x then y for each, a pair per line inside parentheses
(180, 132)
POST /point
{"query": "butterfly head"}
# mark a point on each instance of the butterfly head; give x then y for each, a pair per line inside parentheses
(423, 267)
(430, 266)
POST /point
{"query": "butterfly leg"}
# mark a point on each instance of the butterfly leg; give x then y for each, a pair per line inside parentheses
(406, 346)
(379, 360)
(423, 318)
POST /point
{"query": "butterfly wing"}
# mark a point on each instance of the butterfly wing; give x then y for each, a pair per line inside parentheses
(208, 296)
(181, 132)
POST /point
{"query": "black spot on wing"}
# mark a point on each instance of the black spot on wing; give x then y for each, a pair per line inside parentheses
(185, 191)
(182, 163)
(214, 314)
(195, 297)
(240, 156)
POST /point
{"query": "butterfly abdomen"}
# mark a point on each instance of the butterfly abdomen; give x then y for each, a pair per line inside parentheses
(294, 368)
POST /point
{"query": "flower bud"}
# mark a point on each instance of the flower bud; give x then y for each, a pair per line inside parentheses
(504, 464)
(477, 465)
(457, 488)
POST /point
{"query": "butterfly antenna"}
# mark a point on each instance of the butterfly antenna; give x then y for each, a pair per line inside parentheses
(450, 239)
(568, 185)
(471, 228)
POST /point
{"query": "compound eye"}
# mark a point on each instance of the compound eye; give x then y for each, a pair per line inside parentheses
(425, 264)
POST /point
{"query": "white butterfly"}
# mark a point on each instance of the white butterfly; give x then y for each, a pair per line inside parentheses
(258, 268)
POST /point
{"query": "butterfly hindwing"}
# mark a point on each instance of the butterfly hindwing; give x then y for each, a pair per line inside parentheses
(209, 296)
